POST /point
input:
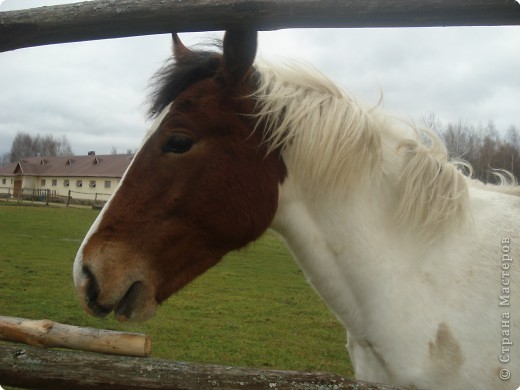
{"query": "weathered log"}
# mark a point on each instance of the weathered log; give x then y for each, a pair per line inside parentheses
(34, 368)
(103, 19)
(46, 333)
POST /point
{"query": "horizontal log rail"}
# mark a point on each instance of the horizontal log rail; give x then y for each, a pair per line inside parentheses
(34, 368)
(104, 19)
(47, 333)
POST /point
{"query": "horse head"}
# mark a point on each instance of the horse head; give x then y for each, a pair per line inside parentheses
(202, 184)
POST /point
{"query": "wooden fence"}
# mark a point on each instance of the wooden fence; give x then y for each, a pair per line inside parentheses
(46, 196)
(35, 368)
(122, 18)
(38, 368)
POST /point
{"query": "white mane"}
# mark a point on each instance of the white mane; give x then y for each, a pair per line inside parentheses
(335, 143)
(333, 140)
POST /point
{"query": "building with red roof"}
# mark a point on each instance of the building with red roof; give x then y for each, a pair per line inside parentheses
(86, 177)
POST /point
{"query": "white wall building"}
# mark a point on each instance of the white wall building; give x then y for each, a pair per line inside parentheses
(86, 177)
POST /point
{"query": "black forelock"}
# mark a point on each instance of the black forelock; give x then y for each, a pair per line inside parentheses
(177, 75)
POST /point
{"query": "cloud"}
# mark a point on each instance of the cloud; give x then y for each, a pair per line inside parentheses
(94, 89)
(467, 73)
(94, 92)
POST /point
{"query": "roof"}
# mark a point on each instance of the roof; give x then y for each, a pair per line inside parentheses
(75, 166)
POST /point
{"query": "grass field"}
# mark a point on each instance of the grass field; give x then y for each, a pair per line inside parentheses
(253, 309)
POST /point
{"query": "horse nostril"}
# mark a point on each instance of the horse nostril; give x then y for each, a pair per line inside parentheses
(92, 293)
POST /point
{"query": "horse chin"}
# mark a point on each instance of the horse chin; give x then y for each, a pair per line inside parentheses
(138, 304)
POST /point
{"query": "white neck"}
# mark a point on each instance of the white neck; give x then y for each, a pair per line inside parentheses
(360, 267)
(335, 241)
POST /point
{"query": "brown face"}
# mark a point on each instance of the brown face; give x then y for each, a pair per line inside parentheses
(200, 187)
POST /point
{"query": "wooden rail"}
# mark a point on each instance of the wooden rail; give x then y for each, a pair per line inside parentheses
(34, 368)
(103, 19)
(47, 333)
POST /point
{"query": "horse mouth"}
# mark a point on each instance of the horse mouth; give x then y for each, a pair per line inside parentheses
(136, 304)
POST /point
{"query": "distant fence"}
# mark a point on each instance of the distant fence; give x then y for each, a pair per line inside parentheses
(51, 196)
(98, 199)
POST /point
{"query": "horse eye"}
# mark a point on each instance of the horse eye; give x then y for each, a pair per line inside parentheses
(178, 143)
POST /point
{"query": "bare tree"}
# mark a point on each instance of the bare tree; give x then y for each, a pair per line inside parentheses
(513, 137)
(22, 146)
(483, 146)
(4, 159)
(64, 147)
(25, 145)
(432, 122)
(457, 136)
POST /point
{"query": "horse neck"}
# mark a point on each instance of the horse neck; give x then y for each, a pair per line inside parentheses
(344, 242)
(361, 192)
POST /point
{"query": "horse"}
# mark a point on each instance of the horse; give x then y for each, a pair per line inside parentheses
(416, 259)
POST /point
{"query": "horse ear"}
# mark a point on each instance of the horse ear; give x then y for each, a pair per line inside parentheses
(178, 48)
(239, 53)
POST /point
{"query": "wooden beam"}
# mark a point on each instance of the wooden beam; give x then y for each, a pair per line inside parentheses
(35, 368)
(47, 333)
(103, 19)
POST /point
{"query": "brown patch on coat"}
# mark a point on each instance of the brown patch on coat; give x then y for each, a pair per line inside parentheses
(445, 353)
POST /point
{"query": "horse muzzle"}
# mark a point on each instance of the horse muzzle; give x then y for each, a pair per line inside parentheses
(101, 293)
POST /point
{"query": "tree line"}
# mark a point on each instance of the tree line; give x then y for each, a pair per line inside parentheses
(483, 146)
(25, 145)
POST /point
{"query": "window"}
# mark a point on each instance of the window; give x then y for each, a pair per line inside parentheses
(54, 182)
(42, 183)
(4, 181)
(92, 184)
(108, 184)
(79, 183)
(65, 183)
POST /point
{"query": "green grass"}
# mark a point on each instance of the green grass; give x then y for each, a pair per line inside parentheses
(253, 309)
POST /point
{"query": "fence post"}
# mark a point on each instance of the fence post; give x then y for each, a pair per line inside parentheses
(47, 192)
(68, 199)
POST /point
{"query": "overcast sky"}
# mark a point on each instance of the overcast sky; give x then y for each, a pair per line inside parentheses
(94, 92)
